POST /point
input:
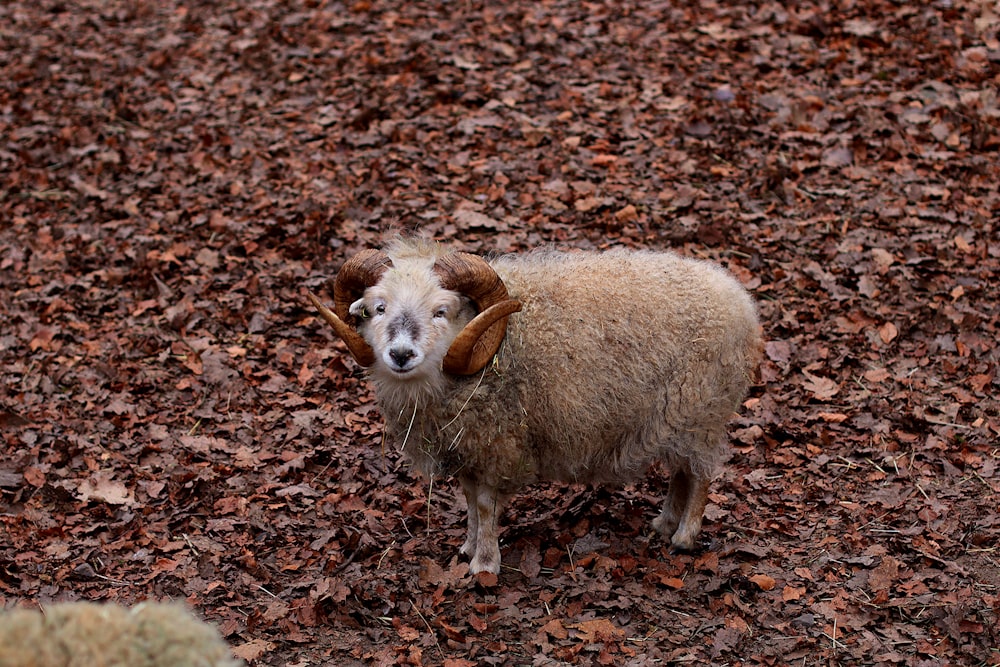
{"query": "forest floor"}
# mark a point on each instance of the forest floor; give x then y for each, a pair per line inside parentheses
(176, 422)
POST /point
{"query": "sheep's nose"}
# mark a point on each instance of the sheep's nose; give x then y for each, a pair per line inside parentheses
(401, 355)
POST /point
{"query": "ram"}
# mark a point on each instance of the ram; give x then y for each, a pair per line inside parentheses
(568, 366)
(70, 634)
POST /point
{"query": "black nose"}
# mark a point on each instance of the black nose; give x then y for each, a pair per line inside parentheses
(400, 355)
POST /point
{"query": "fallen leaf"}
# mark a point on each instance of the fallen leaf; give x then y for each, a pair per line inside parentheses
(778, 351)
(627, 214)
(591, 631)
(103, 488)
(792, 593)
(877, 375)
(888, 332)
(763, 581)
(821, 388)
(555, 629)
(253, 650)
(34, 476)
(838, 157)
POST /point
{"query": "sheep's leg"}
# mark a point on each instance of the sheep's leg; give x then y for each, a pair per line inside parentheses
(469, 548)
(487, 553)
(683, 509)
(673, 507)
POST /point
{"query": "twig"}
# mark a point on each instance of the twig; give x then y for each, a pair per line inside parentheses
(572, 565)
(188, 541)
(952, 424)
(876, 466)
(382, 557)
(409, 427)
(430, 491)
(429, 628)
(833, 639)
(642, 640)
(471, 394)
(116, 582)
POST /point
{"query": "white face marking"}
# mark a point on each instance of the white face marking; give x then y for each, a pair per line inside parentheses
(410, 327)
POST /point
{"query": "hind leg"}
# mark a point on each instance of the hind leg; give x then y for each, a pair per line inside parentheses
(683, 509)
(469, 548)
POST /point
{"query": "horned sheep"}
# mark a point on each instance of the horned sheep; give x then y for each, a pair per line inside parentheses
(70, 634)
(566, 366)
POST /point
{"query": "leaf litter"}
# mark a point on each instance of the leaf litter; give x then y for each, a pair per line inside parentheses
(177, 423)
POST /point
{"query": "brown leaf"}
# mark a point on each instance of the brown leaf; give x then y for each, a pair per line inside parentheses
(867, 287)
(102, 487)
(555, 629)
(42, 340)
(477, 622)
(253, 650)
(763, 581)
(193, 363)
(883, 259)
(590, 631)
(587, 204)
(884, 575)
(531, 561)
(888, 332)
(431, 574)
(877, 375)
(838, 157)
(979, 381)
(627, 214)
(821, 388)
(778, 351)
(792, 593)
(304, 375)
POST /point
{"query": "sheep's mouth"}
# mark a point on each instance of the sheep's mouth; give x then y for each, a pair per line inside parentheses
(406, 371)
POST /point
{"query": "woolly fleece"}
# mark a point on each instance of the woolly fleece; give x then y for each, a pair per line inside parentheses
(81, 634)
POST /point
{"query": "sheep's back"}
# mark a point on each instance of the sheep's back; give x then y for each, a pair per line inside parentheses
(623, 357)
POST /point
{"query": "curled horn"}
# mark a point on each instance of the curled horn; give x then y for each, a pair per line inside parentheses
(358, 273)
(472, 276)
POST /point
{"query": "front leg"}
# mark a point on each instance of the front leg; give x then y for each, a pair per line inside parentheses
(482, 544)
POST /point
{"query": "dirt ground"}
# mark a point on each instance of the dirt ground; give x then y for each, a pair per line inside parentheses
(176, 422)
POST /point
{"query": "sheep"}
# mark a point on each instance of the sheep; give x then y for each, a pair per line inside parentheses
(576, 367)
(84, 634)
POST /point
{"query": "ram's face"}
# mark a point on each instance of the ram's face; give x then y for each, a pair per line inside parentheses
(410, 325)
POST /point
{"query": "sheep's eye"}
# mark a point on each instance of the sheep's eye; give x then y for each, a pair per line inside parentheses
(441, 313)
(380, 309)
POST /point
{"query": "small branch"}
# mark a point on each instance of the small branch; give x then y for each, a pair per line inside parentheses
(429, 628)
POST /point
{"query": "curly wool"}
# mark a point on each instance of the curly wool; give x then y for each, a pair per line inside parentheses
(83, 634)
(617, 359)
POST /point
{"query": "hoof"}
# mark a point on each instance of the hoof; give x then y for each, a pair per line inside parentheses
(664, 527)
(484, 565)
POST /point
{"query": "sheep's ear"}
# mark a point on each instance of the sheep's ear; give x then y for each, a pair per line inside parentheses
(359, 310)
(359, 347)
(473, 348)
